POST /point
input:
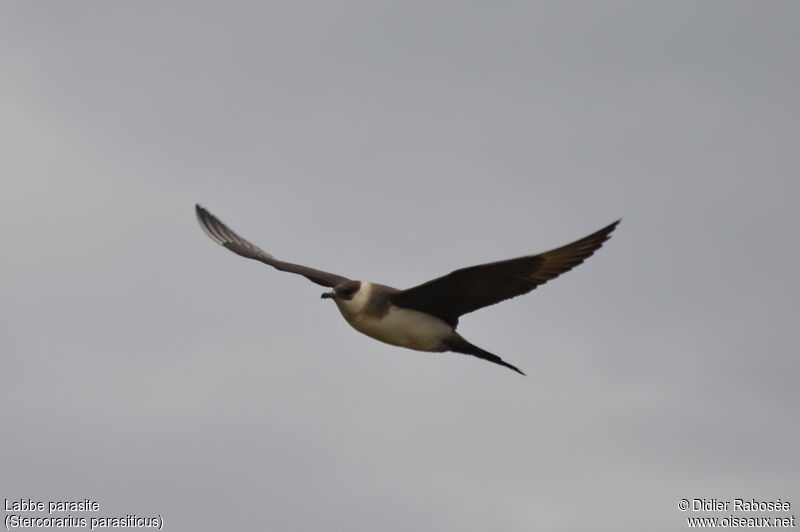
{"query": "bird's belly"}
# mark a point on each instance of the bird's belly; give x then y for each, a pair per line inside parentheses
(405, 328)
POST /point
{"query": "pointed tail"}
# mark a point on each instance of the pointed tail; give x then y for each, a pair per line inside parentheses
(459, 345)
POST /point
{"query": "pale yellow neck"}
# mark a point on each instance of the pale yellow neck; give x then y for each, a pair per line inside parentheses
(355, 305)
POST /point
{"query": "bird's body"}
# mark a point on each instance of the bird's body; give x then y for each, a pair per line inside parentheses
(425, 317)
(371, 312)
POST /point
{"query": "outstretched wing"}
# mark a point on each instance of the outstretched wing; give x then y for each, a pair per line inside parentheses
(469, 289)
(222, 235)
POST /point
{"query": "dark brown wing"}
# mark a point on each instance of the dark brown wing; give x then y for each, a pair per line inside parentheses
(469, 289)
(220, 234)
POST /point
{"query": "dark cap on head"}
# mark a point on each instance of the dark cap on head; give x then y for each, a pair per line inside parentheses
(345, 290)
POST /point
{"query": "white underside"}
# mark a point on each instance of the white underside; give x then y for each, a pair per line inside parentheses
(400, 326)
(406, 328)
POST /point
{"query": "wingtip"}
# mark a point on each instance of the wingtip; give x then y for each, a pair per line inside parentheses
(608, 230)
(201, 213)
(205, 219)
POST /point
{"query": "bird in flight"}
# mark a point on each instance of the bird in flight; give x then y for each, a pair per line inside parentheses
(425, 317)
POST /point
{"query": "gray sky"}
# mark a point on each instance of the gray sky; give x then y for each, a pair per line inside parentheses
(149, 369)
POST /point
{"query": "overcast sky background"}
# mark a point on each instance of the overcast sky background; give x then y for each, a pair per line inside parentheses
(147, 368)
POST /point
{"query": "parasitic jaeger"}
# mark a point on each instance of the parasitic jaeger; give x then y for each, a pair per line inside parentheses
(425, 317)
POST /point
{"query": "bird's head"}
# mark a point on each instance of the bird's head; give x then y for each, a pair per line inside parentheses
(343, 291)
(349, 296)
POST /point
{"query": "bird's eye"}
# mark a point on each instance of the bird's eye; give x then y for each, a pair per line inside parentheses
(346, 293)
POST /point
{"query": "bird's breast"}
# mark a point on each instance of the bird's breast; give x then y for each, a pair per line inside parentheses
(404, 327)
